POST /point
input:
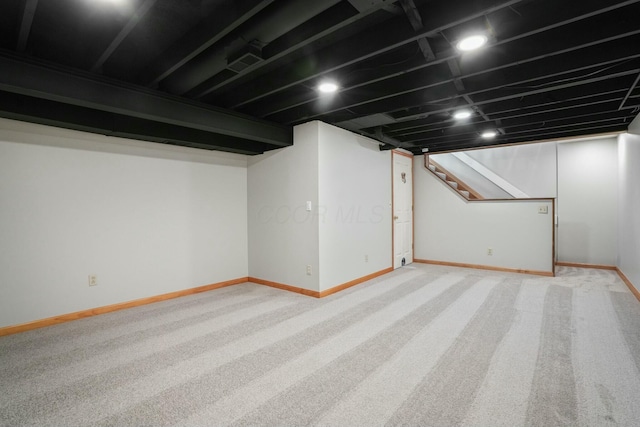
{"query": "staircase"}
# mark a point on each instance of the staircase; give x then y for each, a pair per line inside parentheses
(451, 180)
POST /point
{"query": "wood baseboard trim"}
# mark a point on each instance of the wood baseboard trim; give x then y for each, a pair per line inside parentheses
(584, 265)
(324, 293)
(354, 282)
(37, 324)
(295, 289)
(627, 282)
(486, 267)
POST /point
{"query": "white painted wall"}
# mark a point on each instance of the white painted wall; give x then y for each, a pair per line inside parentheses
(447, 228)
(355, 205)
(283, 236)
(147, 219)
(529, 167)
(588, 201)
(629, 204)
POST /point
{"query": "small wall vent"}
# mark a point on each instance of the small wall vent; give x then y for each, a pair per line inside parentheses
(244, 58)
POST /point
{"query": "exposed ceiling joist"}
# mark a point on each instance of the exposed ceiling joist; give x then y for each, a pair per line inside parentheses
(413, 14)
(25, 27)
(137, 16)
(82, 90)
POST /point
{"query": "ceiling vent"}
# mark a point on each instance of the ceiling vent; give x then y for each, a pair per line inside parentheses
(250, 54)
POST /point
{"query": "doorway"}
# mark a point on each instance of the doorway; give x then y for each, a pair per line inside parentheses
(402, 175)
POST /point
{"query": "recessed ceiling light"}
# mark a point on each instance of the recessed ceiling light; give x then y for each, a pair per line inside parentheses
(462, 114)
(425, 150)
(327, 87)
(472, 42)
(488, 134)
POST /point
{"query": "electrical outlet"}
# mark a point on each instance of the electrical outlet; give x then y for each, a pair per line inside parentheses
(489, 251)
(93, 280)
(308, 270)
(366, 258)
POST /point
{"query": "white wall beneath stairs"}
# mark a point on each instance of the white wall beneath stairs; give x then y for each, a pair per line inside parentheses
(588, 201)
(283, 235)
(355, 203)
(147, 219)
(629, 204)
(450, 229)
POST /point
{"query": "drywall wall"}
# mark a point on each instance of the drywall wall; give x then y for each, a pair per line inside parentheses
(588, 201)
(450, 229)
(355, 206)
(530, 167)
(628, 232)
(346, 181)
(634, 126)
(146, 219)
(283, 235)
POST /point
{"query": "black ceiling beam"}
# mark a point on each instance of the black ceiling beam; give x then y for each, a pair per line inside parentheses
(370, 44)
(631, 89)
(25, 27)
(213, 28)
(413, 15)
(85, 90)
(43, 111)
(131, 24)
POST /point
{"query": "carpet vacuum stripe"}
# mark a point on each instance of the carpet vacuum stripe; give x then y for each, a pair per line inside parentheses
(503, 397)
(376, 399)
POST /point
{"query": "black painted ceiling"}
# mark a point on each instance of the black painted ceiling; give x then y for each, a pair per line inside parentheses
(236, 75)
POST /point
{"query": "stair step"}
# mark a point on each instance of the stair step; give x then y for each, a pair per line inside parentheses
(453, 184)
(432, 167)
(442, 176)
(464, 193)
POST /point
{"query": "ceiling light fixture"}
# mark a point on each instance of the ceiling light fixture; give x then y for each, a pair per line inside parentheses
(462, 114)
(472, 43)
(327, 87)
(425, 150)
(488, 134)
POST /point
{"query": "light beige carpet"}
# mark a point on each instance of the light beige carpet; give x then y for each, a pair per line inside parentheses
(424, 345)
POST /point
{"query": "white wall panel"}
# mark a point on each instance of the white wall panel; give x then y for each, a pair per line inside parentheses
(355, 201)
(145, 219)
(450, 229)
(629, 206)
(283, 235)
(588, 201)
